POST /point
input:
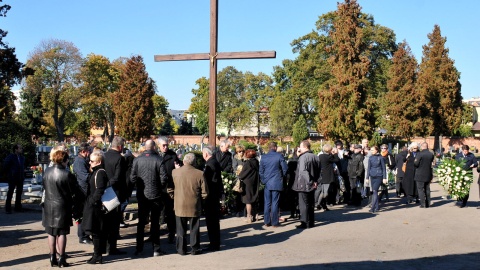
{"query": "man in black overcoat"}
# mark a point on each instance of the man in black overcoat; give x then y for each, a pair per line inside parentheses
(116, 169)
(170, 161)
(213, 178)
(424, 174)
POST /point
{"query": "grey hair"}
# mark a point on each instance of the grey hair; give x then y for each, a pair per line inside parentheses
(189, 159)
(208, 149)
(412, 145)
(162, 139)
(117, 141)
(224, 142)
(97, 156)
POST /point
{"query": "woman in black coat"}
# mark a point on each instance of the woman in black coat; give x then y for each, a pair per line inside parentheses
(409, 185)
(60, 188)
(250, 178)
(93, 216)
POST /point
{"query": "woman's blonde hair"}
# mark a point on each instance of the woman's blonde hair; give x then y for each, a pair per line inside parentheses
(57, 148)
(96, 156)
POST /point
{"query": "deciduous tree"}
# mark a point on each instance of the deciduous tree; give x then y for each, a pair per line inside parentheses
(56, 64)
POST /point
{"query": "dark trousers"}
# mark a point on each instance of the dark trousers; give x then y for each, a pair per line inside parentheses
(398, 185)
(271, 210)
(187, 223)
(346, 193)
(168, 215)
(424, 193)
(153, 208)
(376, 182)
(355, 195)
(212, 219)
(306, 200)
(81, 232)
(112, 227)
(18, 186)
(292, 202)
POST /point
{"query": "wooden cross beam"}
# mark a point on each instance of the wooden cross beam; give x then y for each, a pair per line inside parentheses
(213, 56)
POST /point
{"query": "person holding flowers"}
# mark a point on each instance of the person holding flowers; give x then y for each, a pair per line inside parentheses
(469, 162)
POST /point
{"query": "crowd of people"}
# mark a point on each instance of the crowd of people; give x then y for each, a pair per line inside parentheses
(175, 192)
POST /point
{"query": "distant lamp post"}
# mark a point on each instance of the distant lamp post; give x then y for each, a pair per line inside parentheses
(261, 111)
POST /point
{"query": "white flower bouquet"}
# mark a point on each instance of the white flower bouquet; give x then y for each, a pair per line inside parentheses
(453, 178)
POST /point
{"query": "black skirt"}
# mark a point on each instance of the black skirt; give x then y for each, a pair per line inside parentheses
(57, 231)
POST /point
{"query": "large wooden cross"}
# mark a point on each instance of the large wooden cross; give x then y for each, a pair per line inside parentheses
(213, 56)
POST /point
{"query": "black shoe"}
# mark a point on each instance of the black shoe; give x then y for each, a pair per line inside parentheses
(62, 261)
(53, 260)
(326, 209)
(95, 259)
(463, 205)
(197, 251)
(159, 253)
(86, 241)
(116, 252)
(301, 226)
(181, 253)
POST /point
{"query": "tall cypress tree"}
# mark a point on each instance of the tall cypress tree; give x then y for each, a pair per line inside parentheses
(343, 108)
(439, 89)
(133, 102)
(399, 107)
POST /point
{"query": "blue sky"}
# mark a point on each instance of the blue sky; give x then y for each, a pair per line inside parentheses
(125, 28)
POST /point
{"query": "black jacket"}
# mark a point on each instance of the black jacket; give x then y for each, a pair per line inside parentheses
(423, 166)
(169, 160)
(355, 166)
(400, 158)
(93, 217)
(225, 160)
(116, 169)
(149, 174)
(327, 175)
(213, 178)
(60, 189)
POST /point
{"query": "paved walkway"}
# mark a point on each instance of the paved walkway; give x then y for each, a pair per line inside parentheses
(399, 237)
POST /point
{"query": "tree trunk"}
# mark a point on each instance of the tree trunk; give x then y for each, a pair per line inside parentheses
(436, 144)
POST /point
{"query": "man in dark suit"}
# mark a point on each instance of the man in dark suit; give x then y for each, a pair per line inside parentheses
(213, 178)
(116, 169)
(423, 174)
(224, 157)
(14, 166)
(170, 161)
(273, 169)
(470, 163)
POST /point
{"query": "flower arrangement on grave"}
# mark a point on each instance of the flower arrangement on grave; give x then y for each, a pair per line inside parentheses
(36, 170)
(453, 178)
(228, 180)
